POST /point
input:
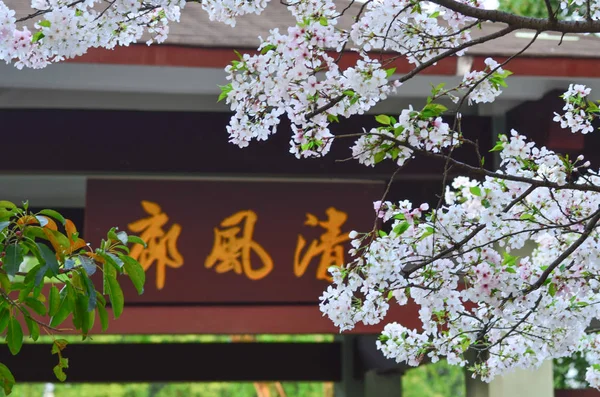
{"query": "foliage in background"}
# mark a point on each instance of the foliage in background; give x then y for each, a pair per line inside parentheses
(40, 293)
(528, 8)
(434, 380)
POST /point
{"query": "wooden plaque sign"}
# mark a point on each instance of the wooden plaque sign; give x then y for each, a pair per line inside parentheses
(232, 242)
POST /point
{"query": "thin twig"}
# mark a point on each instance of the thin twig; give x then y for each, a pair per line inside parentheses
(591, 225)
(421, 67)
(42, 12)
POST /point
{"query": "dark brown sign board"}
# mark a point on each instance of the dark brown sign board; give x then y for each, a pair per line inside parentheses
(232, 241)
(231, 256)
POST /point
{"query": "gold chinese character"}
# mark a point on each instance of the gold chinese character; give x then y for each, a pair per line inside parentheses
(232, 252)
(329, 245)
(161, 247)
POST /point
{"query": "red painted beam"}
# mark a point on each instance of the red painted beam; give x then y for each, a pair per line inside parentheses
(171, 55)
(159, 320)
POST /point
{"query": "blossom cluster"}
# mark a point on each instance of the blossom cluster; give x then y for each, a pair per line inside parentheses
(68, 29)
(476, 266)
(581, 9)
(485, 85)
(227, 11)
(404, 27)
(579, 111)
(296, 75)
(396, 140)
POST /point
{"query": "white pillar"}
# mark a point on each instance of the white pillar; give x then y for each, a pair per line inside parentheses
(379, 384)
(526, 383)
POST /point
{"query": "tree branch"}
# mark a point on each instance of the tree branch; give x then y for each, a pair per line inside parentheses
(586, 233)
(520, 22)
(422, 66)
(42, 12)
(551, 15)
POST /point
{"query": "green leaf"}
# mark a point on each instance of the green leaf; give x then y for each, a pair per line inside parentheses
(527, 217)
(7, 379)
(333, 118)
(67, 295)
(54, 214)
(103, 314)
(323, 21)
(59, 345)
(45, 23)
(504, 74)
(7, 205)
(499, 147)
(37, 36)
(59, 373)
(36, 305)
(110, 260)
(116, 261)
(25, 291)
(428, 232)
(401, 228)
(30, 278)
(390, 72)
(112, 234)
(13, 259)
(113, 289)
(268, 48)
(14, 336)
(53, 301)
(475, 190)
(5, 283)
(136, 273)
(379, 157)
(381, 233)
(49, 258)
(88, 264)
(122, 247)
(509, 260)
(383, 119)
(33, 327)
(81, 319)
(433, 110)
(552, 289)
(510, 270)
(434, 14)
(89, 289)
(349, 93)
(225, 89)
(4, 318)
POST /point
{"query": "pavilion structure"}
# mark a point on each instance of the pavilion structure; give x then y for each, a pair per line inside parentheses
(239, 238)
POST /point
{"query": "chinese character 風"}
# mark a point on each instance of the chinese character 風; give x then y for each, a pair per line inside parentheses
(234, 244)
